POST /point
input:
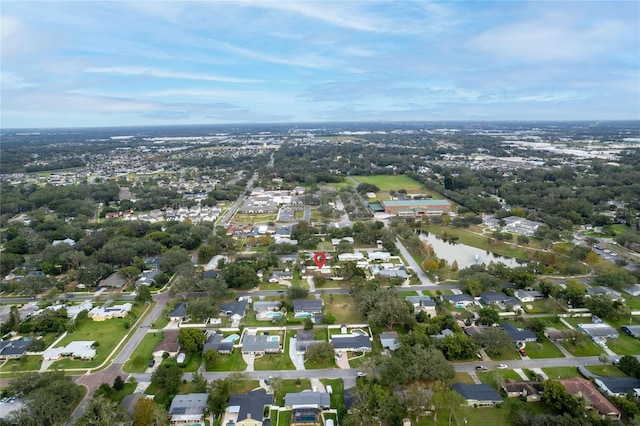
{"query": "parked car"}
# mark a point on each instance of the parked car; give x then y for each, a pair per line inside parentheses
(481, 368)
(152, 363)
(361, 374)
(502, 366)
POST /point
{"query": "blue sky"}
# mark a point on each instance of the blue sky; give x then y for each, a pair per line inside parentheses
(107, 63)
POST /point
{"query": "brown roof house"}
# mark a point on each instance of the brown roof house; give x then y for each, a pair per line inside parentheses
(169, 344)
(582, 387)
(529, 389)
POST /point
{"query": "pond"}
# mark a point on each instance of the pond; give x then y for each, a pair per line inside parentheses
(463, 254)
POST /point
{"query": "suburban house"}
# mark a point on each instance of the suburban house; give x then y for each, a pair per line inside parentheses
(215, 341)
(632, 330)
(304, 339)
(350, 257)
(234, 310)
(599, 332)
(500, 300)
(260, 344)
(350, 343)
(264, 306)
(416, 207)
(458, 300)
(389, 340)
(179, 312)
(554, 334)
(586, 389)
(278, 276)
(604, 291)
(633, 290)
(527, 296)
(379, 255)
(422, 304)
(81, 349)
(530, 390)
(152, 262)
(168, 344)
(481, 395)
(10, 349)
(148, 277)
(108, 312)
(618, 386)
(309, 306)
(306, 407)
(247, 409)
(520, 225)
(188, 409)
(518, 335)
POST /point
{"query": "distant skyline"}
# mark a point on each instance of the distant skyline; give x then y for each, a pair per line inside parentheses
(116, 63)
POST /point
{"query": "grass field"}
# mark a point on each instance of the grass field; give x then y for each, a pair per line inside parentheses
(561, 372)
(26, 363)
(275, 361)
(143, 353)
(493, 377)
(543, 349)
(605, 370)
(588, 349)
(290, 386)
(233, 362)
(337, 396)
(624, 345)
(343, 307)
(462, 378)
(107, 334)
(283, 418)
(388, 182)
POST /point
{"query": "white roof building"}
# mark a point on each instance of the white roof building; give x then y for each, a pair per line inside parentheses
(79, 349)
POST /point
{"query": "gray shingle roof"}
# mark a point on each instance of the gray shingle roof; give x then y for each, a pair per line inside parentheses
(351, 342)
(481, 392)
(251, 404)
(320, 399)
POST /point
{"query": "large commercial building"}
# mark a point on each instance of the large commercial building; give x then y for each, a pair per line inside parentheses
(416, 207)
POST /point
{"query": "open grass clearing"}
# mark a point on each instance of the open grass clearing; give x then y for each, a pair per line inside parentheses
(107, 334)
(343, 308)
(232, 362)
(25, 363)
(395, 182)
(561, 372)
(587, 349)
(624, 345)
(495, 377)
(606, 370)
(143, 353)
(544, 348)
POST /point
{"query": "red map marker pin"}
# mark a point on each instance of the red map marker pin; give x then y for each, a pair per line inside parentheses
(320, 259)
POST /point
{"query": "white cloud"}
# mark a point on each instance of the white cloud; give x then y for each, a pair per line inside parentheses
(9, 81)
(153, 72)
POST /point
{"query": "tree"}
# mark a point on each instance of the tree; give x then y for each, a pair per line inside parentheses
(488, 316)
(240, 275)
(172, 258)
(575, 338)
(102, 411)
(219, 392)
(199, 383)
(320, 353)
(443, 397)
(308, 324)
(296, 292)
(167, 377)
(144, 294)
(210, 358)
(215, 288)
(191, 339)
(495, 341)
(457, 346)
(416, 399)
(118, 384)
(604, 360)
(201, 309)
(147, 413)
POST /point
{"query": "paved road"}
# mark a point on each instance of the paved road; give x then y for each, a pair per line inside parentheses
(108, 375)
(236, 205)
(416, 268)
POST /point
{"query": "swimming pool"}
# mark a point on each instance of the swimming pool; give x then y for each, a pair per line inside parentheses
(231, 338)
(304, 315)
(358, 332)
(274, 315)
(273, 338)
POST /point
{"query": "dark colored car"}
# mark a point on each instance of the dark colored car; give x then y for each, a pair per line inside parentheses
(152, 363)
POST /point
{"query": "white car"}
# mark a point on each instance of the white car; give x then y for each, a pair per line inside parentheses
(502, 367)
(361, 374)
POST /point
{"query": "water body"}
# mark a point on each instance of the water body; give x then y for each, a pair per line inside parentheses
(463, 254)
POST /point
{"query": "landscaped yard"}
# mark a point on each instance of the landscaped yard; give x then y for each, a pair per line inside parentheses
(107, 334)
(587, 349)
(624, 345)
(605, 370)
(192, 362)
(337, 396)
(543, 349)
(282, 418)
(493, 377)
(291, 386)
(462, 378)
(280, 361)
(143, 353)
(561, 372)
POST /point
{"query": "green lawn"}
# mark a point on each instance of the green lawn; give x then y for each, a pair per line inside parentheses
(509, 355)
(128, 389)
(405, 293)
(493, 377)
(605, 370)
(561, 372)
(233, 362)
(462, 378)
(143, 353)
(26, 363)
(624, 345)
(543, 349)
(388, 182)
(337, 396)
(588, 349)
(279, 361)
(192, 362)
(290, 386)
(107, 334)
(283, 418)
(343, 308)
